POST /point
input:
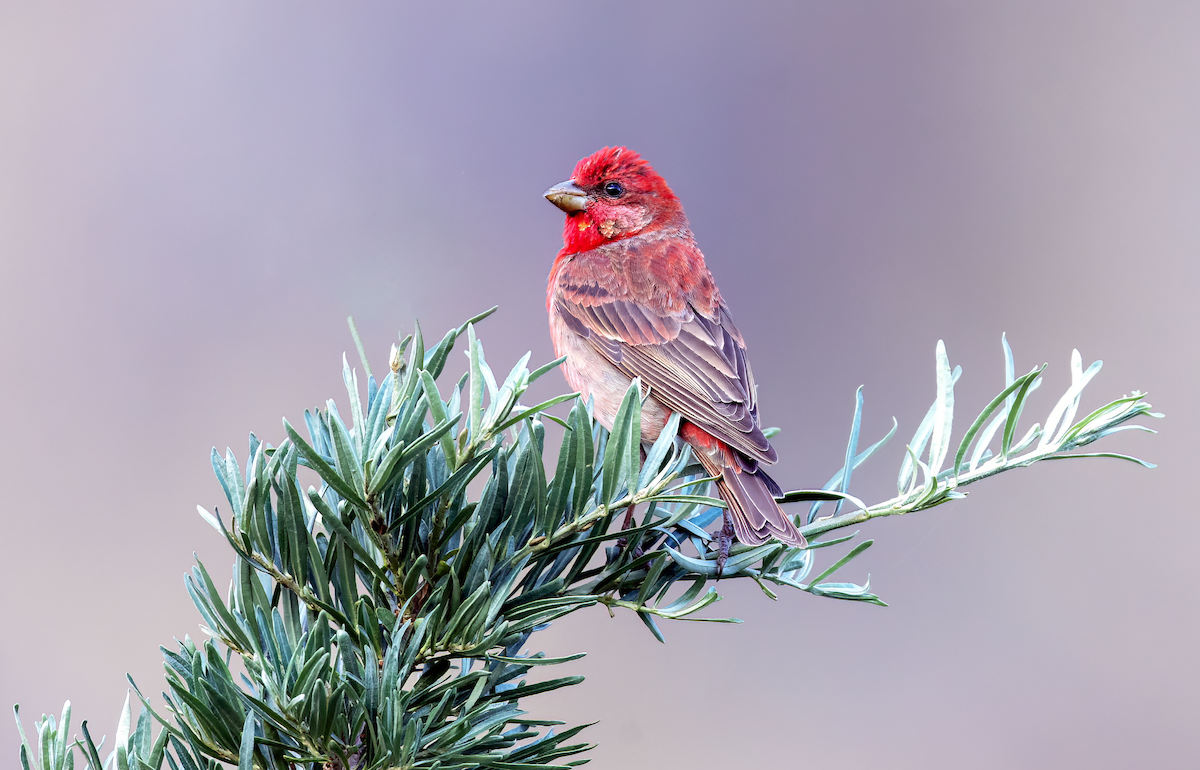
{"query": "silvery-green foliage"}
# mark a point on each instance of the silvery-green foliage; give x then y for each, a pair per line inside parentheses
(930, 476)
(380, 613)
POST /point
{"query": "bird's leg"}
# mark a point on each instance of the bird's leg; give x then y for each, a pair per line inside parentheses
(724, 542)
(626, 524)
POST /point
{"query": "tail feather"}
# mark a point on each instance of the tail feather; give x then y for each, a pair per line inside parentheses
(746, 489)
(756, 516)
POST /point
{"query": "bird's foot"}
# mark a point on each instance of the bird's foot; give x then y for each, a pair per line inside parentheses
(724, 543)
(623, 543)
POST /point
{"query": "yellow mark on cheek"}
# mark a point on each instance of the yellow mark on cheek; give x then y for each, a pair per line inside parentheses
(608, 228)
(583, 225)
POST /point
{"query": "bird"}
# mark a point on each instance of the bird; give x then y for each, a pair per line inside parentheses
(630, 296)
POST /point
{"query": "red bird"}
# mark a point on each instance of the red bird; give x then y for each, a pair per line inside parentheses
(630, 296)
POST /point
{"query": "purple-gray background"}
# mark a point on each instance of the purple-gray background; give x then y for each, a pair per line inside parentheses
(193, 197)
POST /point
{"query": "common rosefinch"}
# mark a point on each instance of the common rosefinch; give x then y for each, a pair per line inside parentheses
(630, 296)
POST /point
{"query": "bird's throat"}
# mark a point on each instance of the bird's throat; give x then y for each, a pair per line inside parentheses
(580, 233)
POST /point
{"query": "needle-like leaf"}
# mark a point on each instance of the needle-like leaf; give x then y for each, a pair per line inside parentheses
(386, 620)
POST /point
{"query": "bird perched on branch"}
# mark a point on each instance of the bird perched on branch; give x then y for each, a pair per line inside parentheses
(630, 296)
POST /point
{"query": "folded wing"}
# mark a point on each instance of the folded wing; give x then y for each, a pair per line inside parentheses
(694, 363)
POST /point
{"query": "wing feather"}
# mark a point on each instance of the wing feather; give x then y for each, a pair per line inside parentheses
(695, 364)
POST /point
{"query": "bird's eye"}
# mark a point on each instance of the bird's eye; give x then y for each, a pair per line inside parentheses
(614, 190)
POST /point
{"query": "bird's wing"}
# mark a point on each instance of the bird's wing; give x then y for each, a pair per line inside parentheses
(694, 363)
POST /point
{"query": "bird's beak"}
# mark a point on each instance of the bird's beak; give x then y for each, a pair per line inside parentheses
(567, 196)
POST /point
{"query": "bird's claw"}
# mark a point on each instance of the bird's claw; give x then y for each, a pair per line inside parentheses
(724, 543)
(623, 542)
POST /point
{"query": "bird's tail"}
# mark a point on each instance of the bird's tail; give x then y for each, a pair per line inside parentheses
(757, 518)
(750, 494)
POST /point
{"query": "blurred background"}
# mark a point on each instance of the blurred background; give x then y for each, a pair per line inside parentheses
(194, 196)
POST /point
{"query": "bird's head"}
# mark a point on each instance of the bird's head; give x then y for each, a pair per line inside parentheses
(613, 194)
